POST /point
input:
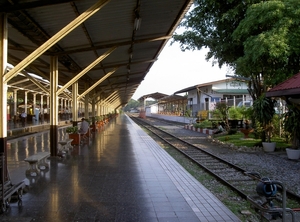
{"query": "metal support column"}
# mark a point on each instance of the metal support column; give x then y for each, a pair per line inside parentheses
(47, 108)
(98, 106)
(33, 109)
(15, 103)
(93, 109)
(42, 108)
(54, 106)
(75, 103)
(3, 87)
(86, 103)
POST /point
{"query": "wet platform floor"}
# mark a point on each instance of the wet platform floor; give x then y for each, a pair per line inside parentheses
(120, 175)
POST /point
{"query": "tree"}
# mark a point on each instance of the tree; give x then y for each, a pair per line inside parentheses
(264, 111)
(222, 109)
(210, 24)
(258, 39)
(270, 35)
(132, 104)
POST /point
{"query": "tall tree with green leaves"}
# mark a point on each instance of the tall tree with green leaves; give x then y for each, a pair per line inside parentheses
(270, 34)
(210, 24)
(258, 39)
(132, 104)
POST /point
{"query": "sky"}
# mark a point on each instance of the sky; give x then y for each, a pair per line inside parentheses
(175, 70)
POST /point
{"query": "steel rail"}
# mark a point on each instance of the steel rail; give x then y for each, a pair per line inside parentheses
(170, 139)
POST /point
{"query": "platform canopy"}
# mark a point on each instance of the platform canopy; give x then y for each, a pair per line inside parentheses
(113, 42)
(289, 87)
(172, 98)
(155, 96)
(289, 90)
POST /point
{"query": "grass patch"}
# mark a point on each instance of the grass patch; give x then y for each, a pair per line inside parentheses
(238, 140)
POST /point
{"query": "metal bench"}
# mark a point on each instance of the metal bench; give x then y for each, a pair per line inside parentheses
(37, 162)
(7, 189)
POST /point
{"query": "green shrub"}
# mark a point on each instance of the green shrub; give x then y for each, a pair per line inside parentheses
(232, 131)
(205, 124)
(235, 113)
(196, 125)
(276, 125)
(72, 129)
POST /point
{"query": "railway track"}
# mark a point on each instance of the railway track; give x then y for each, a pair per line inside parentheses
(237, 179)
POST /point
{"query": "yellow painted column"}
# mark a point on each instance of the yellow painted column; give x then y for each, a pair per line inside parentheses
(75, 103)
(86, 103)
(54, 106)
(3, 89)
(3, 85)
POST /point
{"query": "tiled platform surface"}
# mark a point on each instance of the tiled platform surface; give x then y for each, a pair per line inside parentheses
(121, 175)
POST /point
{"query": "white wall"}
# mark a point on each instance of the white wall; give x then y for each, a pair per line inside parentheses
(193, 95)
(180, 119)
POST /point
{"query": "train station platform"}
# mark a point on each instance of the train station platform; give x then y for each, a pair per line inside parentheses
(122, 174)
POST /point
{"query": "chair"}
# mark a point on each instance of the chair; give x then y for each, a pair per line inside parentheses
(83, 136)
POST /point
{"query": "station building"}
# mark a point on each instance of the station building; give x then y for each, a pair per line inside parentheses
(198, 99)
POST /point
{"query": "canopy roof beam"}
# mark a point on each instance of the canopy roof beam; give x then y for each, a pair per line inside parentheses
(54, 39)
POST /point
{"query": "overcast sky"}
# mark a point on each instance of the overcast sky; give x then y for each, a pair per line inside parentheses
(175, 70)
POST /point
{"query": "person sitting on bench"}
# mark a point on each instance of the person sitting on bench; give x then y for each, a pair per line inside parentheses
(84, 128)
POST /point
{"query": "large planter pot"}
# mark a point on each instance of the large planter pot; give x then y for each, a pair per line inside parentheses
(269, 146)
(292, 154)
(75, 137)
(93, 127)
(99, 124)
(246, 132)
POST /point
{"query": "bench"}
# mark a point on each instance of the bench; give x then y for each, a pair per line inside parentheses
(65, 145)
(7, 189)
(37, 162)
(11, 190)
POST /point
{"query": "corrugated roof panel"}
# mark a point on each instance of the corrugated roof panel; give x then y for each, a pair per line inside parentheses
(113, 22)
(52, 18)
(291, 83)
(113, 25)
(158, 17)
(290, 87)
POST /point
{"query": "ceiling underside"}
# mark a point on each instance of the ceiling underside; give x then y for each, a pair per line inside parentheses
(132, 33)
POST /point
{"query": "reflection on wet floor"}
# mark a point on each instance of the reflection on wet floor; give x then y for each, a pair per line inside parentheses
(121, 174)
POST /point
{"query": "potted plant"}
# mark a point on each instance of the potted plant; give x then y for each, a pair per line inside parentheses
(72, 129)
(263, 110)
(73, 134)
(98, 121)
(291, 124)
(247, 129)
